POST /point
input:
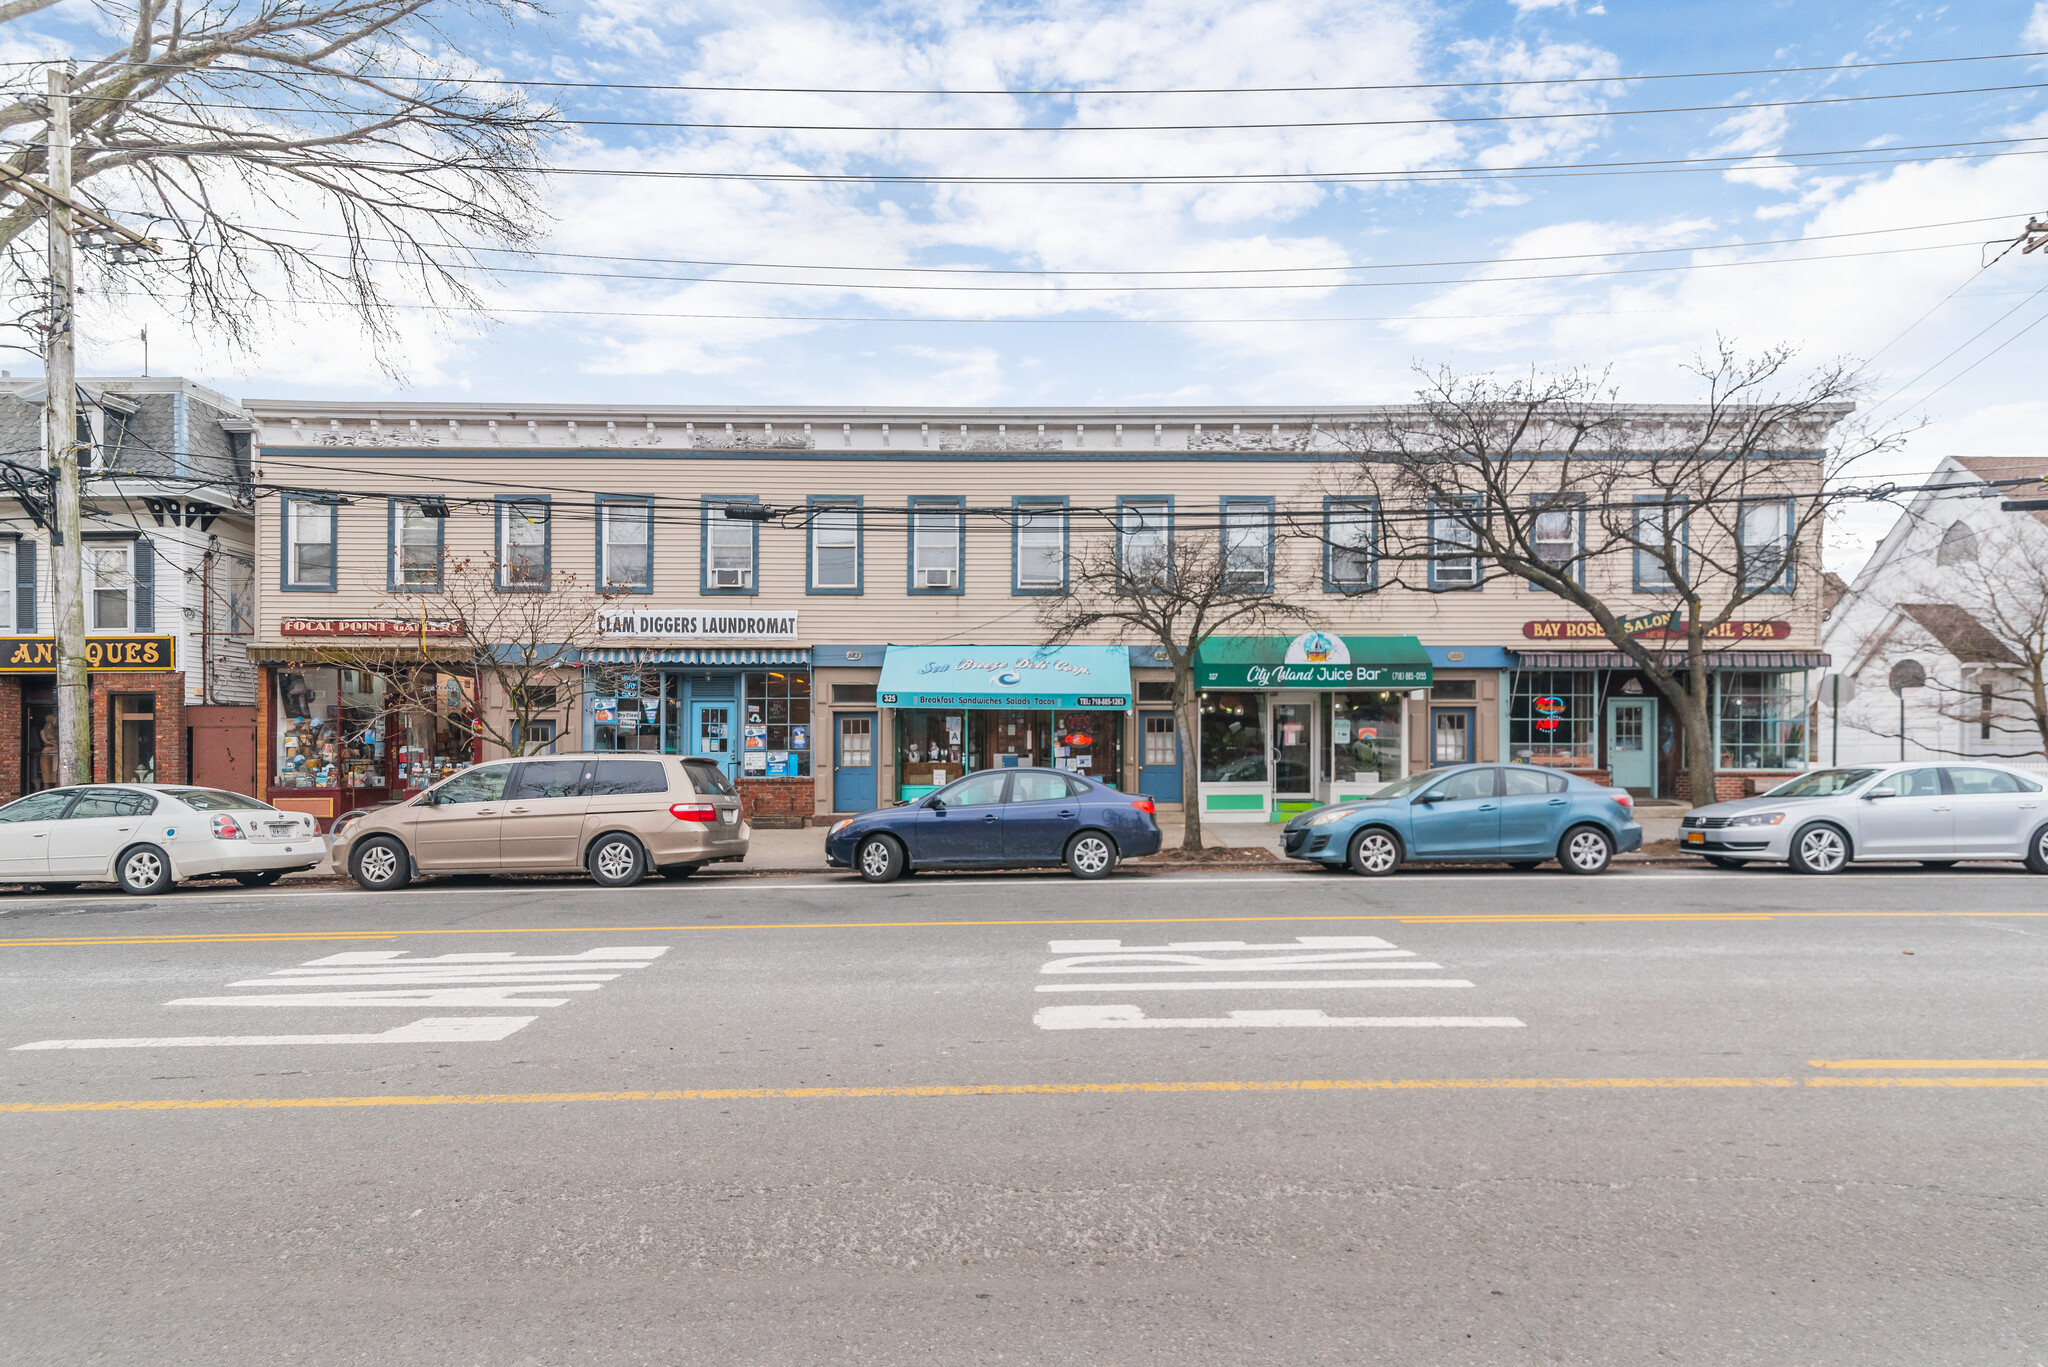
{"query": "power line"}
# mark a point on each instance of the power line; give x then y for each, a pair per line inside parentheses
(1265, 125)
(1077, 91)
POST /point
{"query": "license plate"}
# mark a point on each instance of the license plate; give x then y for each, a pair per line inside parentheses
(729, 815)
(282, 828)
(1695, 838)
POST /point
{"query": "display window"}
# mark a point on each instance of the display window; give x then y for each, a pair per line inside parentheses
(437, 733)
(931, 747)
(1090, 743)
(330, 729)
(775, 724)
(936, 747)
(1553, 718)
(632, 708)
(1365, 736)
(1234, 738)
(1761, 720)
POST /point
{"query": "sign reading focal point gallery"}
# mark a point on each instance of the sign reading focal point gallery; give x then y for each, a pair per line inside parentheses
(695, 625)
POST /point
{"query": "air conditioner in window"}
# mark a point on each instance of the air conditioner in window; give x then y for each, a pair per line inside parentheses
(935, 579)
(730, 579)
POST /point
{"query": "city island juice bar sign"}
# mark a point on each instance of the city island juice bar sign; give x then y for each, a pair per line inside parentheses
(104, 654)
(1314, 659)
(1667, 626)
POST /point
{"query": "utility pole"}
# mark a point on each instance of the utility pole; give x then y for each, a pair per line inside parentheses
(60, 369)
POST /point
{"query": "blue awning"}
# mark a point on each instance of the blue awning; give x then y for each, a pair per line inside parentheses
(1006, 676)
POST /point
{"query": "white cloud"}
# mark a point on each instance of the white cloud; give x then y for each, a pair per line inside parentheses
(2035, 36)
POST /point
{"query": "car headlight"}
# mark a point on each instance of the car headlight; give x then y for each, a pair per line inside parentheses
(838, 826)
(343, 823)
(1758, 819)
(1325, 818)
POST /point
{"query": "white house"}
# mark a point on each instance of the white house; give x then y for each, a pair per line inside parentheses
(1957, 593)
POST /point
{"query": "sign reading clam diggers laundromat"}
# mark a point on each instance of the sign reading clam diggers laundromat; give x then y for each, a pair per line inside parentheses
(1314, 659)
(696, 624)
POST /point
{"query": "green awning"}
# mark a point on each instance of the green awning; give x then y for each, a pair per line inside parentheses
(1314, 659)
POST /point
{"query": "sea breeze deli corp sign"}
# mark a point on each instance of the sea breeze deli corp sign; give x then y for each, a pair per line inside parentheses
(1659, 625)
(669, 625)
(38, 654)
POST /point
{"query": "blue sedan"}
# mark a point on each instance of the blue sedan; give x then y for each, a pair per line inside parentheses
(1000, 818)
(1472, 813)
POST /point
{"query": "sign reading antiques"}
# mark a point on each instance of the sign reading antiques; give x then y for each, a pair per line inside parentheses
(717, 624)
(370, 626)
(38, 654)
(1663, 625)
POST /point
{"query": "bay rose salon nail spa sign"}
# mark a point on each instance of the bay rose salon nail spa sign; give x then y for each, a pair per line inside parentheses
(671, 625)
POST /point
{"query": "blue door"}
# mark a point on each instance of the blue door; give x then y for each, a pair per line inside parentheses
(968, 827)
(1159, 759)
(1461, 819)
(711, 733)
(1533, 808)
(853, 762)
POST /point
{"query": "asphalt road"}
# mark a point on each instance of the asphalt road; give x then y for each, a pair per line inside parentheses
(1662, 1116)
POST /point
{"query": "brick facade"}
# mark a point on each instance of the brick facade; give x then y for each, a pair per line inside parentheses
(776, 803)
(1730, 787)
(10, 737)
(169, 691)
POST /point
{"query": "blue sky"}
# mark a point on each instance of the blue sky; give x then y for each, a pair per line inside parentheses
(566, 336)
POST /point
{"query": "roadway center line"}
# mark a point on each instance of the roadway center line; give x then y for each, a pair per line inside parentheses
(1273, 985)
(1423, 1084)
(1928, 1063)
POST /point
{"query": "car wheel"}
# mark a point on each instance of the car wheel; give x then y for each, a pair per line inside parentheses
(1586, 849)
(1523, 865)
(880, 860)
(616, 861)
(1091, 854)
(1375, 852)
(2037, 851)
(678, 872)
(1722, 861)
(1820, 849)
(1939, 863)
(143, 870)
(260, 879)
(380, 864)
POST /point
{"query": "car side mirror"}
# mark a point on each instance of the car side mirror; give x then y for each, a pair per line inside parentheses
(936, 803)
(1429, 799)
(1880, 792)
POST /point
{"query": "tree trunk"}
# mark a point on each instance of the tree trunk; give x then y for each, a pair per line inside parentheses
(1700, 759)
(1187, 721)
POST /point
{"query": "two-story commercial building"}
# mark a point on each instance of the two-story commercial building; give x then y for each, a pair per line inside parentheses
(844, 607)
(169, 580)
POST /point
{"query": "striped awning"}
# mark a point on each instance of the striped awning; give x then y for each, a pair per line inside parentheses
(1675, 659)
(699, 655)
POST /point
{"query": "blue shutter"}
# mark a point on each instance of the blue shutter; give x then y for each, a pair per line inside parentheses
(25, 586)
(145, 584)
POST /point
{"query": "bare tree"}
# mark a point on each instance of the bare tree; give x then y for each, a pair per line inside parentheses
(1701, 509)
(336, 152)
(517, 647)
(1174, 592)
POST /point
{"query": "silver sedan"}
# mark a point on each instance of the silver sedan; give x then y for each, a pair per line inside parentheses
(1934, 814)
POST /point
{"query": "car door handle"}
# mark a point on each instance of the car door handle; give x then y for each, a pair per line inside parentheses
(1558, 801)
(1940, 809)
(1066, 812)
(990, 817)
(517, 810)
(1484, 807)
(486, 811)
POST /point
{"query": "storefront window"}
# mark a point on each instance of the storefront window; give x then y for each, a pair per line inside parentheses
(1233, 738)
(330, 731)
(1090, 743)
(1365, 736)
(133, 724)
(439, 729)
(777, 725)
(1553, 718)
(932, 747)
(628, 708)
(1762, 720)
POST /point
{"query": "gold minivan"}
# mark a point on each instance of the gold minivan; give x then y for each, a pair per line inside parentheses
(615, 816)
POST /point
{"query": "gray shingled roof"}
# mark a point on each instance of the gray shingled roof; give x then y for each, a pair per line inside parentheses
(1960, 634)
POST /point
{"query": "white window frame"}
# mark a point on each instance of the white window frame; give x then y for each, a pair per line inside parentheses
(935, 535)
(835, 526)
(532, 517)
(410, 516)
(1141, 523)
(1655, 520)
(298, 512)
(1248, 533)
(97, 559)
(1041, 532)
(1360, 516)
(1449, 531)
(1573, 510)
(635, 515)
(8, 590)
(1780, 579)
(728, 545)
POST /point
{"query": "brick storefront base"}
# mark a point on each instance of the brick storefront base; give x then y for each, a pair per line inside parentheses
(169, 691)
(777, 804)
(10, 738)
(1729, 787)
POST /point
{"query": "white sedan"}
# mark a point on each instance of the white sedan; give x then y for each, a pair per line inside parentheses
(149, 836)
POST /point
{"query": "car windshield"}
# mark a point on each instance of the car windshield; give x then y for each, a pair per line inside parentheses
(1826, 783)
(1404, 787)
(707, 777)
(214, 800)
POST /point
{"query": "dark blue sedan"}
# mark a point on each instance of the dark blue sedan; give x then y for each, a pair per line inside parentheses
(1000, 818)
(1472, 813)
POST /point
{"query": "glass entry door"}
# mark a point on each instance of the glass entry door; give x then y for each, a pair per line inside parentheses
(1631, 763)
(1293, 747)
(711, 733)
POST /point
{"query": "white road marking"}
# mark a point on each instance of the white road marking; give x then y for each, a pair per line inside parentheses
(415, 997)
(1270, 985)
(1299, 942)
(1194, 963)
(481, 979)
(1132, 1018)
(428, 1030)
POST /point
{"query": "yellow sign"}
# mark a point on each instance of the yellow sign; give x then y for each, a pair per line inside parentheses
(38, 654)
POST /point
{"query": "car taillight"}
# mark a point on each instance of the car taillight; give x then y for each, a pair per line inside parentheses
(1145, 804)
(1623, 800)
(225, 828)
(691, 811)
